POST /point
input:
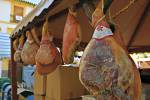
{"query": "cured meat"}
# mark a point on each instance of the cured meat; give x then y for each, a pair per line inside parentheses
(29, 50)
(47, 57)
(17, 54)
(71, 37)
(16, 43)
(36, 33)
(105, 68)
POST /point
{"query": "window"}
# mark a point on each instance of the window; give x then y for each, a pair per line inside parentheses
(18, 13)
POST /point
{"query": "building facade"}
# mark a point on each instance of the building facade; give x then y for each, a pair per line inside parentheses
(13, 11)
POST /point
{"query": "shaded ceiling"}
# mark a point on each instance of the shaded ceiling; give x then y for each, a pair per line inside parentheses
(134, 23)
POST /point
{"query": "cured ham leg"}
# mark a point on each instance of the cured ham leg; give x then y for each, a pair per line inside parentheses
(106, 70)
(47, 57)
(17, 54)
(16, 43)
(71, 37)
(29, 50)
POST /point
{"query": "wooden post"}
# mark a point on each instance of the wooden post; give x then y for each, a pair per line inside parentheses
(13, 73)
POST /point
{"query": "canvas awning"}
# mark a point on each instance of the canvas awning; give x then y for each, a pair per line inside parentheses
(134, 22)
(4, 45)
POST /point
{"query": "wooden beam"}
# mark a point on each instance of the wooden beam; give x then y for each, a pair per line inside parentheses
(13, 73)
(141, 21)
(139, 49)
(64, 4)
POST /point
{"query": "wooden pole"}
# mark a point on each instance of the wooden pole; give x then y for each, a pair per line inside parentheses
(13, 74)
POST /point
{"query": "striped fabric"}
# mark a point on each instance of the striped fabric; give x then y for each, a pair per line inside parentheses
(4, 45)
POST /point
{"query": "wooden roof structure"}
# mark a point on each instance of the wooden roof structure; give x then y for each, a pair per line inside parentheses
(134, 24)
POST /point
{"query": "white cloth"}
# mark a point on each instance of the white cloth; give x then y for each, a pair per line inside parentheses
(101, 32)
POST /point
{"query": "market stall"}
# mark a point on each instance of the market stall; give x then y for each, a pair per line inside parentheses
(131, 16)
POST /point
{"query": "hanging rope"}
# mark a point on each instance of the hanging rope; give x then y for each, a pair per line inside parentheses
(118, 13)
(124, 9)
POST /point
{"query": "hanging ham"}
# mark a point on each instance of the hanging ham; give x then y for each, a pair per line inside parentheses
(48, 57)
(16, 43)
(17, 54)
(106, 70)
(36, 33)
(29, 50)
(71, 37)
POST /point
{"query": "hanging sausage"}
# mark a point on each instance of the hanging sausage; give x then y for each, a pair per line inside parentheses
(29, 50)
(48, 57)
(71, 36)
(17, 54)
(106, 70)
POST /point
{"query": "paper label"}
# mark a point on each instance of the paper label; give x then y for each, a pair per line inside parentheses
(101, 31)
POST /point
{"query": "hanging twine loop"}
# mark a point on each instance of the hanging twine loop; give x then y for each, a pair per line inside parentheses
(111, 18)
(117, 14)
(72, 10)
(124, 9)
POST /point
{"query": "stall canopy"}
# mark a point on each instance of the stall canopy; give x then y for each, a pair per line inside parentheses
(134, 23)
